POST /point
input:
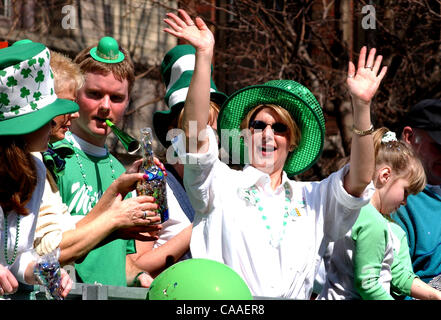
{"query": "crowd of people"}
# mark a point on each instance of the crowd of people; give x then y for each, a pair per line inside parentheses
(368, 231)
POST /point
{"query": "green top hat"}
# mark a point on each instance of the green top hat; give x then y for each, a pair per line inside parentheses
(107, 51)
(297, 100)
(176, 71)
(27, 96)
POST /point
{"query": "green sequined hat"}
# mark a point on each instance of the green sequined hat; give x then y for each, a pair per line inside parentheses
(27, 97)
(297, 100)
(176, 70)
(107, 51)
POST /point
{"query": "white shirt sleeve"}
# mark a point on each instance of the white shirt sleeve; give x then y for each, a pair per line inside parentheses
(340, 209)
(199, 171)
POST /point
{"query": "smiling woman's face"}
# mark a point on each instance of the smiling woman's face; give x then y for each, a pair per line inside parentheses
(101, 97)
(269, 149)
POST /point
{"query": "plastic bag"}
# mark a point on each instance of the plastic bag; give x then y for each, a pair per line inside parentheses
(48, 272)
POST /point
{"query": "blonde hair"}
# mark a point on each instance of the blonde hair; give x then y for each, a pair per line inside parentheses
(401, 158)
(212, 116)
(66, 72)
(294, 131)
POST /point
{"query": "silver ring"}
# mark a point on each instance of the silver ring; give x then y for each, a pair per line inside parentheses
(350, 75)
(369, 67)
(144, 215)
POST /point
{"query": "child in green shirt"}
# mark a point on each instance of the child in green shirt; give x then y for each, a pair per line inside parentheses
(368, 263)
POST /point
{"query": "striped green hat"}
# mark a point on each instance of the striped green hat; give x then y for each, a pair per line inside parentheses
(176, 71)
(297, 100)
(27, 97)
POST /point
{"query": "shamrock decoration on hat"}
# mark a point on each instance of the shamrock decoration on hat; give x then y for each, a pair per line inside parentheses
(176, 70)
(27, 96)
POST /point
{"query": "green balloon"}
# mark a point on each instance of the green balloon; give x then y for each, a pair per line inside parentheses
(199, 279)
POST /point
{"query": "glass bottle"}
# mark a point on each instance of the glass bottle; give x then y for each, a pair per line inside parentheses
(155, 184)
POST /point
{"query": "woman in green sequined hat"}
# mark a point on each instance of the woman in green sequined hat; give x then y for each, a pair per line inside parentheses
(271, 230)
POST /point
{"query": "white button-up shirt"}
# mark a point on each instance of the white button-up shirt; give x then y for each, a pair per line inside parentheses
(229, 228)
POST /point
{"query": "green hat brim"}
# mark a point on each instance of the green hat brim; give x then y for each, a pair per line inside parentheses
(93, 53)
(33, 121)
(297, 100)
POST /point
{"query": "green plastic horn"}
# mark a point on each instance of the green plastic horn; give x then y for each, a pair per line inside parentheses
(131, 144)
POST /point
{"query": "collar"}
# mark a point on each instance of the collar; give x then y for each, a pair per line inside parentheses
(255, 177)
(85, 146)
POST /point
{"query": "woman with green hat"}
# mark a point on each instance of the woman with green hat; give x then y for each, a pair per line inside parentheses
(270, 229)
(27, 106)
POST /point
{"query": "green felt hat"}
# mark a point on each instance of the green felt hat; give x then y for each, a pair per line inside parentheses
(107, 51)
(176, 71)
(297, 100)
(27, 97)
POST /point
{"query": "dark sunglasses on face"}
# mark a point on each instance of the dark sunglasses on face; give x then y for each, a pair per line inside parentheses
(277, 127)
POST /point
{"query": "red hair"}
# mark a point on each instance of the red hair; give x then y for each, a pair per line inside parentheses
(18, 176)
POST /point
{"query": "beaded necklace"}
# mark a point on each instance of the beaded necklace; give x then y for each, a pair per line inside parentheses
(9, 262)
(251, 195)
(88, 188)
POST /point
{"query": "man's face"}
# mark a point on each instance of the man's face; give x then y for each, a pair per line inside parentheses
(429, 153)
(101, 97)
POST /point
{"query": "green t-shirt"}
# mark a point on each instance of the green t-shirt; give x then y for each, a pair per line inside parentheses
(85, 179)
(374, 258)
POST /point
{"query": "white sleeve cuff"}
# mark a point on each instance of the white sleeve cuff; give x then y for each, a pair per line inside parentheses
(344, 198)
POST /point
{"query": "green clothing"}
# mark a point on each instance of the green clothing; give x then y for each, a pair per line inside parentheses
(401, 256)
(85, 179)
(364, 265)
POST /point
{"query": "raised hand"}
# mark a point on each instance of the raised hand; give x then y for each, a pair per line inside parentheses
(364, 83)
(195, 32)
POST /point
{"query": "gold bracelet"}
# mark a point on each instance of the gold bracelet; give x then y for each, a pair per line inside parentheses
(363, 132)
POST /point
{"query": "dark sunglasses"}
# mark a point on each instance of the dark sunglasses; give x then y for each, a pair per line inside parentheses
(277, 127)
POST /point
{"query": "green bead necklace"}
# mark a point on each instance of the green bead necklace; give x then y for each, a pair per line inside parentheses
(252, 196)
(91, 198)
(9, 262)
